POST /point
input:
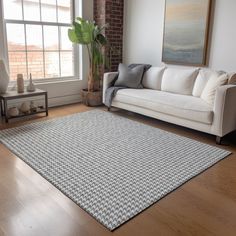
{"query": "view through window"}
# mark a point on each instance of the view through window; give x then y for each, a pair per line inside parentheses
(37, 38)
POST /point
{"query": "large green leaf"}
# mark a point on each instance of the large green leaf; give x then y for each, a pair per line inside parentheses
(87, 29)
(79, 33)
(82, 35)
(72, 36)
(101, 39)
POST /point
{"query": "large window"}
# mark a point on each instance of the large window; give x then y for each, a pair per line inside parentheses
(37, 41)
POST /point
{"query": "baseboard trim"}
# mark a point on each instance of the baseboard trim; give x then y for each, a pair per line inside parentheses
(65, 100)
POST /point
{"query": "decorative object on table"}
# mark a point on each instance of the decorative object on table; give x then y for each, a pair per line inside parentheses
(33, 108)
(186, 32)
(31, 86)
(20, 83)
(25, 107)
(40, 107)
(88, 33)
(4, 78)
(129, 167)
(13, 112)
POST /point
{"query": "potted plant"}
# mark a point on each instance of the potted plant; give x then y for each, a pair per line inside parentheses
(89, 34)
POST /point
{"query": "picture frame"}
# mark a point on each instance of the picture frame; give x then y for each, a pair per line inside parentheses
(186, 32)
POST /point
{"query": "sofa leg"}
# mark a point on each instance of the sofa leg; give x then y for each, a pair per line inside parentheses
(218, 140)
(108, 109)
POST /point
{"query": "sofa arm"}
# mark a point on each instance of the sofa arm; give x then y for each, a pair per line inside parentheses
(225, 110)
(107, 82)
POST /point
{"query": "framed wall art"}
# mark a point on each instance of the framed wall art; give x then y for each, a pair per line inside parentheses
(186, 31)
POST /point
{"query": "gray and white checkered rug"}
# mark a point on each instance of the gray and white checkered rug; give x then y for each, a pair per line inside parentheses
(112, 167)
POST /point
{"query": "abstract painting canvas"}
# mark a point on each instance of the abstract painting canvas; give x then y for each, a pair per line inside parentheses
(186, 31)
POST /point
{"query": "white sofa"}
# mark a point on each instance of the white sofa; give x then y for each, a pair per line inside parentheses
(175, 95)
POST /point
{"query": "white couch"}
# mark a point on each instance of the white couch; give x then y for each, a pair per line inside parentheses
(175, 95)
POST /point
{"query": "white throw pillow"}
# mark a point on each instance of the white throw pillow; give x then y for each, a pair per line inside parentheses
(153, 77)
(180, 81)
(232, 78)
(202, 79)
(209, 92)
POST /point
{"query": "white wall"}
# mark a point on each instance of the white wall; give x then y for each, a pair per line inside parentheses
(68, 92)
(143, 33)
(223, 47)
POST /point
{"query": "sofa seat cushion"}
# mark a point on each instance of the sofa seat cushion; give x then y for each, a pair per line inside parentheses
(187, 107)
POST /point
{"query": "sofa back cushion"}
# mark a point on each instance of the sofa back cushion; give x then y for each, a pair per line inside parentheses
(203, 76)
(179, 80)
(209, 92)
(232, 78)
(153, 77)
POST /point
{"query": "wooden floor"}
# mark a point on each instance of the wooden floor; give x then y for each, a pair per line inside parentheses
(31, 206)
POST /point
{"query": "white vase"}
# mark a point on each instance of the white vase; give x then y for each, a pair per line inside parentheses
(4, 78)
(20, 83)
(31, 87)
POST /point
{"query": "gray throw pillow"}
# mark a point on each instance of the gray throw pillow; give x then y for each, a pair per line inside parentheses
(130, 77)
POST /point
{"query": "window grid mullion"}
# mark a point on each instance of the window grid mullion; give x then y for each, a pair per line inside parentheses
(64, 50)
(72, 10)
(26, 54)
(59, 39)
(59, 45)
(44, 61)
(56, 11)
(44, 64)
(40, 10)
(22, 8)
(37, 23)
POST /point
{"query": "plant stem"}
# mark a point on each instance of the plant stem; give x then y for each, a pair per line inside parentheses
(89, 54)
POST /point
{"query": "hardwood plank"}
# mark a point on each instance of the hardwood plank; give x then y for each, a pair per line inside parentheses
(30, 205)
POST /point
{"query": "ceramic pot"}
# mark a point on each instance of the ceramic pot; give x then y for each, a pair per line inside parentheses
(4, 78)
(25, 107)
(13, 111)
(20, 83)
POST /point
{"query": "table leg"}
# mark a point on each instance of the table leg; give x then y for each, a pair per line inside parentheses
(46, 103)
(2, 112)
(5, 110)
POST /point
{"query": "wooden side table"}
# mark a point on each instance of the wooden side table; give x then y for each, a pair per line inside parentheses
(12, 95)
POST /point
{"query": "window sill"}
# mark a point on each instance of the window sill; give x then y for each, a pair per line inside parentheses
(56, 81)
(12, 84)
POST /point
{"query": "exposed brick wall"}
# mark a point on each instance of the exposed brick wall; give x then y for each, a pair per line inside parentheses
(17, 62)
(111, 12)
